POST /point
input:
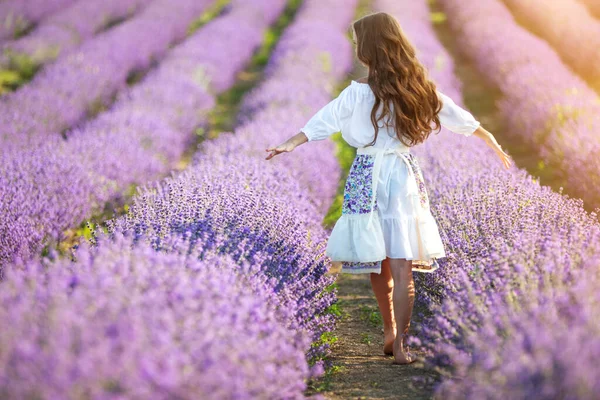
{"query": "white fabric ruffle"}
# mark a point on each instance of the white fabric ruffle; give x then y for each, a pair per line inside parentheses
(411, 238)
(352, 241)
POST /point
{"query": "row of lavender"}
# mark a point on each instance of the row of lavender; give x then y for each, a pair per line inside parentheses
(57, 184)
(514, 302)
(230, 303)
(269, 213)
(68, 90)
(17, 15)
(67, 29)
(569, 28)
(127, 321)
(545, 103)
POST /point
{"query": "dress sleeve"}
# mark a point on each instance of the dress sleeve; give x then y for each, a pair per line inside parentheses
(328, 119)
(455, 118)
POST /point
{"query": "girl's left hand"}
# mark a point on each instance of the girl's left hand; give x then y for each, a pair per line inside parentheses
(282, 148)
(505, 158)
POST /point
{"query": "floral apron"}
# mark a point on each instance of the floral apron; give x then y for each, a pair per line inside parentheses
(360, 205)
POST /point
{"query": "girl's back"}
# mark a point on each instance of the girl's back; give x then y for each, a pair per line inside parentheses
(350, 113)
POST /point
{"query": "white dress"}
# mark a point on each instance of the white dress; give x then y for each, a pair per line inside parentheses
(395, 222)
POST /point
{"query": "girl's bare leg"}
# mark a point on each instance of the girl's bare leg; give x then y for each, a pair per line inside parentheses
(383, 286)
(403, 301)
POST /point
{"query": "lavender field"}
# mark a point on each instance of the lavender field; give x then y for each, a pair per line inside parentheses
(148, 251)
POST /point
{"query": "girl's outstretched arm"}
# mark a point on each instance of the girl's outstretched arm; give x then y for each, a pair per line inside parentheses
(491, 141)
(288, 145)
(323, 124)
(459, 120)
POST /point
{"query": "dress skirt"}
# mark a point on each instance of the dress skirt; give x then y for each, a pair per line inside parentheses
(385, 213)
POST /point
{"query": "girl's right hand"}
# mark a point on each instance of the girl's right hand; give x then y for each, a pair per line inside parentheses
(285, 147)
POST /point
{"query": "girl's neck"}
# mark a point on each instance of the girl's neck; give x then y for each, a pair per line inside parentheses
(364, 79)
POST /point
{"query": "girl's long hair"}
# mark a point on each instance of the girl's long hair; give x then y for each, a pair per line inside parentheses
(396, 76)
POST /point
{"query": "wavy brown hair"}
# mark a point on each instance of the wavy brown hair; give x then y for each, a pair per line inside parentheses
(396, 76)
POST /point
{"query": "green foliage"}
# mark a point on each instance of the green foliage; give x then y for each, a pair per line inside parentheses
(212, 12)
(326, 61)
(334, 309)
(332, 287)
(371, 315)
(223, 116)
(19, 25)
(324, 383)
(365, 338)
(9, 80)
(438, 17)
(23, 64)
(262, 55)
(541, 165)
(272, 35)
(329, 338)
(20, 69)
(326, 338)
(86, 230)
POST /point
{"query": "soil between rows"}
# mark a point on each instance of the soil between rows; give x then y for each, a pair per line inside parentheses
(361, 370)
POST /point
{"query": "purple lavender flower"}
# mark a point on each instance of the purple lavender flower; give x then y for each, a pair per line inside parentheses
(66, 91)
(558, 114)
(142, 137)
(212, 286)
(69, 28)
(17, 15)
(575, 22)
(126, 320)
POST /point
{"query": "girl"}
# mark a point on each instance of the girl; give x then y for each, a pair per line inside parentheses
(386, 228)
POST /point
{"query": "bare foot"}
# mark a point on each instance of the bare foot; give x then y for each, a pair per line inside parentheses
(388, 343)
(404, 358)
(400, 356)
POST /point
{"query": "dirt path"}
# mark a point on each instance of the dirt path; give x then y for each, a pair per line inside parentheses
(361, 370)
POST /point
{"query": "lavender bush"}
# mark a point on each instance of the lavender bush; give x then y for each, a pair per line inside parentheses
(238, 204)
(17, 15)
(64, 92)
(558, 115)
(67, 29)
(142, 137)
(127, 321)
(252, 212)
(522, 328)
(569, 28)
(303, 65)
(210, 267)
(510, 309)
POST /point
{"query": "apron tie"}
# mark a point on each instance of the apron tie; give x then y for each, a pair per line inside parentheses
(413, 188)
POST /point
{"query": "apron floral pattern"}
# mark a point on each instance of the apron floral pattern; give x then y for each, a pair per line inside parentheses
(359, 189)
(423, 197)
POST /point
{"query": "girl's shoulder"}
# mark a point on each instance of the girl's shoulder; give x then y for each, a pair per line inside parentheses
(361, 87)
